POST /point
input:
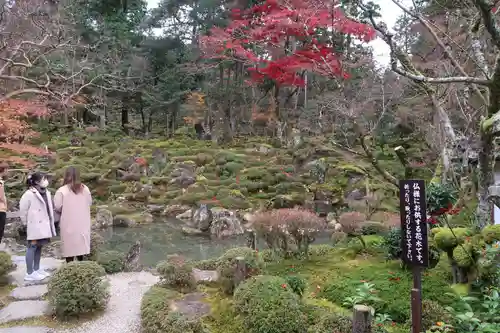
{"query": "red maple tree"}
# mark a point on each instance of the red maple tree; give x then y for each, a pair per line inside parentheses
(262, 37)
(16, 131)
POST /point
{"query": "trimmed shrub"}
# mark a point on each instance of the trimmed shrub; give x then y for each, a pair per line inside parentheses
(268, 304)
(6, 266)
(156, 315)
(321, 250)
(392, 244)
(332, 322)
(206, 265)
(78, 288)
(112, 261)
(226, 265)
(433, 312)
(176, 273)
(373, 228)
(297, 284)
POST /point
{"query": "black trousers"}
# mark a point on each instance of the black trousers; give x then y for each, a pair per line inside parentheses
(70, 259)
(3, 219)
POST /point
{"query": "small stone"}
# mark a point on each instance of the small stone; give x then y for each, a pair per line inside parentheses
(205, 276)
(26, 329)
(34, 292)
(22, 310)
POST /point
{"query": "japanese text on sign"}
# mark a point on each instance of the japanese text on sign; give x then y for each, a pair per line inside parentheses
(413, 222)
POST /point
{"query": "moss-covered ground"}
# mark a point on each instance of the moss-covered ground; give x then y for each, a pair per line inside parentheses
(247, 174)
(333, 274)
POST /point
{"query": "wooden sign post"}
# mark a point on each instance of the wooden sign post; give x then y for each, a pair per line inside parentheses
(414, 241)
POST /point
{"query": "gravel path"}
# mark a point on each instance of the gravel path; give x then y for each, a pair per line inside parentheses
(123, 311)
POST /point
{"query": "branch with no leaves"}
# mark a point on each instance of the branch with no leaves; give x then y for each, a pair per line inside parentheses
(409, 71)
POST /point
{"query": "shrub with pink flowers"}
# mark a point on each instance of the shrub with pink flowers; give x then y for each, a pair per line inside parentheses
(288, 229)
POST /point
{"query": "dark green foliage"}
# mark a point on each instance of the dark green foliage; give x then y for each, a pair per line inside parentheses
(392, 244)
(296, 283)
(78, 288)
(440, 196)
(270, 306)
(332, 322)
(112, 261)
(6, 266)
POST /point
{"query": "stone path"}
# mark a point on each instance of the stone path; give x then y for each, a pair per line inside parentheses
(121, 315)
(123, 311)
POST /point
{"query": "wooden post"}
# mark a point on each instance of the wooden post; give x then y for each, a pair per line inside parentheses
(240, 271)
(362, 319)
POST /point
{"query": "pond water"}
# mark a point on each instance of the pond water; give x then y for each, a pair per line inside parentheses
(165, 238)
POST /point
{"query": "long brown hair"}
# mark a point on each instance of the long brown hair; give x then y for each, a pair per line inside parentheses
(72, 178)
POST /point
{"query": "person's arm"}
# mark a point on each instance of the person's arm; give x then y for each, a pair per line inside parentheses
(2, 193)
(24, 206)
(89, 195)
(58, 201)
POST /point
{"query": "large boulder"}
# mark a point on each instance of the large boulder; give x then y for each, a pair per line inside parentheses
(103, 218)
(225, 223)
(202, 218)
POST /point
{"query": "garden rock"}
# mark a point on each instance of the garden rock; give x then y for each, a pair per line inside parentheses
(192, 231)
(27, 293)
(205, 276)
(17, 277)
(104, 218)
(225, 223)
(185, 216)
(175, 210)
(132, 259)
(22, 310)
(192, 306)
(202, 218)
(27, 329)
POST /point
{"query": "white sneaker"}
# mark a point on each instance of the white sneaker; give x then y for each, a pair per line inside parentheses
(35, 276)
(43, 273)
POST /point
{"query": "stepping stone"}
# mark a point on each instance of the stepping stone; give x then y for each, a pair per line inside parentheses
(192, 306)
(34, 292)
(205, 276)
(21, 310)
(26, 329)
(17, 277)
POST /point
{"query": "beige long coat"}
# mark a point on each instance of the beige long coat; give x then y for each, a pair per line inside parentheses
(75, 220)
(33, 214)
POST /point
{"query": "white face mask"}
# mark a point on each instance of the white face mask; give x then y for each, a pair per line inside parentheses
(44, 183)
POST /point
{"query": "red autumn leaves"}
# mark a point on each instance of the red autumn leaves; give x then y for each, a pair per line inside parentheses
(262, 38)
(442, 211)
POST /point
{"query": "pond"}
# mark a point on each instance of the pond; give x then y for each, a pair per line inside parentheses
(165, 238)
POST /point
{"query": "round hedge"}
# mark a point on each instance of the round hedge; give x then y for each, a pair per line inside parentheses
(268, 304)
(156, 316)
(176, 274)
(78, 288)
(332, 322)
(112, 261)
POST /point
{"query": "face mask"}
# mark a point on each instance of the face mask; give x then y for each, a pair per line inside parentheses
(44, 183)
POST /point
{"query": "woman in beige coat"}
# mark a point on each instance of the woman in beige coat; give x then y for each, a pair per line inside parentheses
(73, 201)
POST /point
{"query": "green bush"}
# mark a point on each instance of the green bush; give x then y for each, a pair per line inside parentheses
(297, 284)
(491, 233)
(433, 312)
(332, 322)
(392, 244)
(227, 262)
(446, 239)
(112, 261)
(206, 265)
(156, 315)
(373, 228)
(321, 250)
(177, 274)
(78, 288)
(6, 266)
(269, 305)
